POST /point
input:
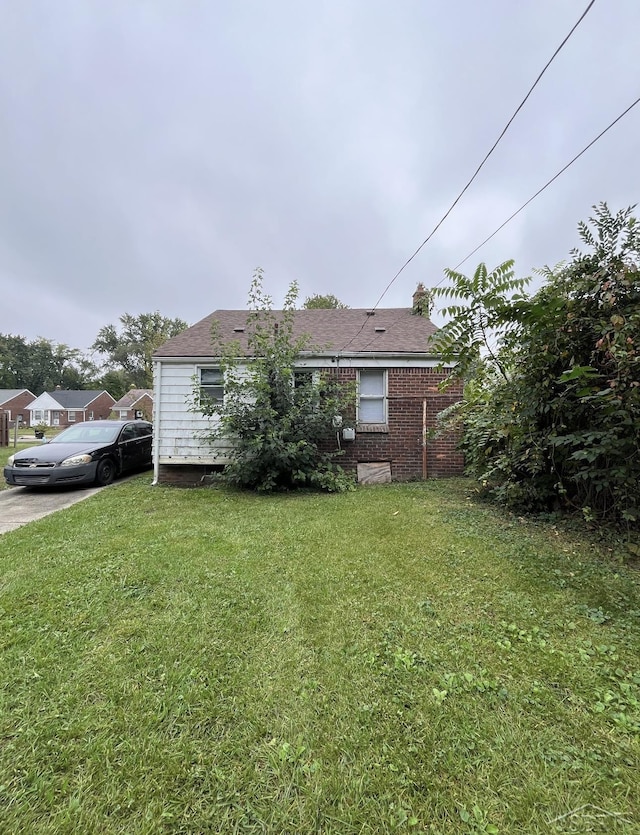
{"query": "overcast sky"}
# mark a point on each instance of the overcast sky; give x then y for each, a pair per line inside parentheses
(154, 152)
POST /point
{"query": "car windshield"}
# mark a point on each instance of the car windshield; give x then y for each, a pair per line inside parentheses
(86, 433)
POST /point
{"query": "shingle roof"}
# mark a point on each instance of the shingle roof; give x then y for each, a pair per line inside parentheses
(132, 396)
(393, 330)
(74, 398)
(9, 394)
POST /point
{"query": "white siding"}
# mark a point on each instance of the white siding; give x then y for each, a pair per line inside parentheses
(177, 431)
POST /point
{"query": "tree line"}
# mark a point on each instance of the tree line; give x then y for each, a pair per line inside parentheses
(121, 357)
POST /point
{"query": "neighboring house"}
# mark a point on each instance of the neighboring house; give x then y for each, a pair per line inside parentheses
(15, 401)
(384, 351)
(135, 403)
(64, 407)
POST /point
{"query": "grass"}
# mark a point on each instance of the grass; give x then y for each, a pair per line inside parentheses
(395, 659)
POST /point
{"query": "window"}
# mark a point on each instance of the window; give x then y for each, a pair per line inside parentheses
(372, 400)
(72, 417)
(123, 413)
(211, 386)
(305, 377)
(128, 433)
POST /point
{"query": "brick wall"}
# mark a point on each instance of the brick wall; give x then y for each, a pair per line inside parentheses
(401, 444)
(18, 406)
(101, 406)
(185, 475)
(144, 404)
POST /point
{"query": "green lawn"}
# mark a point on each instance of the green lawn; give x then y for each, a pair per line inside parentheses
(399, 658)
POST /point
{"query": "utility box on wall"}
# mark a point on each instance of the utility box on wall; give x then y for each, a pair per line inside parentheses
(349, 434)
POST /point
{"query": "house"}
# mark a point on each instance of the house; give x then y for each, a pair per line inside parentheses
(135, 403)
(384, 351)
(15, 402)
(63, 407)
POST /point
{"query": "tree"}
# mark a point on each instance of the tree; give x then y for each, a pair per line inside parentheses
(551, 418)
(116, 382)
(483, 318)
(319, 302)
(131, 348)
(41, 365)
(279, 422)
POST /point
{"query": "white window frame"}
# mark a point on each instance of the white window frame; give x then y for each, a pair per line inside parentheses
(71, 416)
(382, 398)
(206, 387)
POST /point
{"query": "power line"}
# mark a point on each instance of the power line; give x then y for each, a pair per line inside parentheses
(546, 185)
(524, 205)
(478, 169)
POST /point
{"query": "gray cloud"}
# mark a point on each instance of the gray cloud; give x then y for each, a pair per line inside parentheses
(152, 154)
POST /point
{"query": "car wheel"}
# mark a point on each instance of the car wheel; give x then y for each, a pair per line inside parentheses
(106, 472)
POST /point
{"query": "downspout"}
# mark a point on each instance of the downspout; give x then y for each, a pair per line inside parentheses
(424, 439)
(338, 382)
(157, 386)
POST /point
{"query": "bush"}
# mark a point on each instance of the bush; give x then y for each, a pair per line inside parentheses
(280, 426)
(551, 419)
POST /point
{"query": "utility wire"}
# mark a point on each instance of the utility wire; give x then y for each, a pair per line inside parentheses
(524, 205)
(546, 185)
(478, 169)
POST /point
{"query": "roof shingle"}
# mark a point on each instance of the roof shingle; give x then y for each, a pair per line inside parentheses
(131, 397)
(74, 398)
(9, 394)
(392, 330)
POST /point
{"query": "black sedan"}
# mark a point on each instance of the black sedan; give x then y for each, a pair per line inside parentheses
(92, 452)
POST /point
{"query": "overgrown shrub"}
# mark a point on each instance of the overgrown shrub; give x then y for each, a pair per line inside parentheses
(552, 417)
(279, 422)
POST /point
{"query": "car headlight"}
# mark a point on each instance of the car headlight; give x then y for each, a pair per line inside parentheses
(74, 460)
(10, 460)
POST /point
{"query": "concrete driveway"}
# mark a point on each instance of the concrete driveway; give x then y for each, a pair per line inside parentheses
(20, 505)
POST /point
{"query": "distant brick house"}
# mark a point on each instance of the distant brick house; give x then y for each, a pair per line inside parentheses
(15, 402)
(63, 407)
(135, 403)
(385, 352)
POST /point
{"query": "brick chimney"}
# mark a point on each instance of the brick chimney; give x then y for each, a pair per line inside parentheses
(422, 301)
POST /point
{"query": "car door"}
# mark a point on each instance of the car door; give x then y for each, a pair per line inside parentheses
(145, 440)
(128, 446)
